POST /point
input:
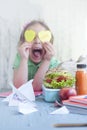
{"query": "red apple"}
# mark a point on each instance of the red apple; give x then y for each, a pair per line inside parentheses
(65, 93)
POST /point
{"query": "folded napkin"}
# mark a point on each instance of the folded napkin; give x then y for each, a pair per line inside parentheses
(23, 98)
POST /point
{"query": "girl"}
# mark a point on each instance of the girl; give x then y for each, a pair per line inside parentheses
(35, 55)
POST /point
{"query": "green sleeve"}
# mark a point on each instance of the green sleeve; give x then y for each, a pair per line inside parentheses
(16, 61)
(54, 63)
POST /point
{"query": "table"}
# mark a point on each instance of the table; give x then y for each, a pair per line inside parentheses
(10, 119)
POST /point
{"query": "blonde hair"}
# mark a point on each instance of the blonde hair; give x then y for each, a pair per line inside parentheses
(22, 39)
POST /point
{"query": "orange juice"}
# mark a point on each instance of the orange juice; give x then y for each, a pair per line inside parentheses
(81, 79)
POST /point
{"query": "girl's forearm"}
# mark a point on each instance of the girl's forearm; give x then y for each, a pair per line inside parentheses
(39, 76)
(21, 74)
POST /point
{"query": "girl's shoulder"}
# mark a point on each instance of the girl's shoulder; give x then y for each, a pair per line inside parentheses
(54, 62)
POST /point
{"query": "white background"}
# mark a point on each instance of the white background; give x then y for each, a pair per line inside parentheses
(66, 18)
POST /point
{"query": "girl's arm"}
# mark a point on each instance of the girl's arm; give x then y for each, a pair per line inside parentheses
(20, 74)
(39, 76)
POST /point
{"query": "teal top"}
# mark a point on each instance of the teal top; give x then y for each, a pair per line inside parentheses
(33, 67)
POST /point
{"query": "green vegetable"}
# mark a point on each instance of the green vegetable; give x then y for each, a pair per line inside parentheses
(58, 80)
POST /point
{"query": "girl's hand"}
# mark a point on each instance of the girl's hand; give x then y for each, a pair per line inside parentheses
(24, 50)
(49, 51)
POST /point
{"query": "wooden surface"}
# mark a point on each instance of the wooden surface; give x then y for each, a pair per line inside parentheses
(10, 119)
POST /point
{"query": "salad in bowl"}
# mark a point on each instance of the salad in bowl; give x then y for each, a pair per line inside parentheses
(57, 79)
(54, 81)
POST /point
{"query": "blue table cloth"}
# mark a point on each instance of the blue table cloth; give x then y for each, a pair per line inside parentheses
(11, 119)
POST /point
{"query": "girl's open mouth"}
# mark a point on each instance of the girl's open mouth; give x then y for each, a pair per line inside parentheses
(37, 52)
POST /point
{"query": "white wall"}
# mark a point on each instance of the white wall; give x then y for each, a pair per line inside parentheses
(66, 18)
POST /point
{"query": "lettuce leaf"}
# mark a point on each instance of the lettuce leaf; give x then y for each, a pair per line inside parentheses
(55, 84)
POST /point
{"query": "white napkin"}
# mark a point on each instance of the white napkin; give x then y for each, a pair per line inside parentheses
(62, 110)
(26, 108)
(23, 98)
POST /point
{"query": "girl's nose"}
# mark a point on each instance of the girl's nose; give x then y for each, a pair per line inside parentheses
(37, 40)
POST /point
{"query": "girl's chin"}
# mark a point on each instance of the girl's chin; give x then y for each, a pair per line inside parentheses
(36, 60)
